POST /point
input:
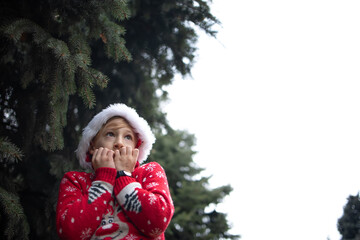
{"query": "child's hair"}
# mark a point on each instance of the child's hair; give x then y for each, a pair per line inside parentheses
(139, 125)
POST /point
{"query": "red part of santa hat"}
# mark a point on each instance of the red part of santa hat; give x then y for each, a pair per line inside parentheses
(140, 126)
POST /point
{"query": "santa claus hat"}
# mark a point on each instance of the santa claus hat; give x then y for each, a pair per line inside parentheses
(140, 126)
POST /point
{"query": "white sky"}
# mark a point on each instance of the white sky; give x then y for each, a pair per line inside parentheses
(275, 105)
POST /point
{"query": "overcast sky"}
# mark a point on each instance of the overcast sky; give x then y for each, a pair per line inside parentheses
(274, 103)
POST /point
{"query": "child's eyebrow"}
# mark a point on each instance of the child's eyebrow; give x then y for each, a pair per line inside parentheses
(130, 131)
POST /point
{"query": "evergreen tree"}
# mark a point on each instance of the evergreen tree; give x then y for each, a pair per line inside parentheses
(45, 59)
(63, 61)
(190, 193)
(349, 223)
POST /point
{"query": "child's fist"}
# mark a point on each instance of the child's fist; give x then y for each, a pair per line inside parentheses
(126, 158)
(103, 157)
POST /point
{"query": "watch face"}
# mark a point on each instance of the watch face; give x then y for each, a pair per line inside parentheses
(123, 173)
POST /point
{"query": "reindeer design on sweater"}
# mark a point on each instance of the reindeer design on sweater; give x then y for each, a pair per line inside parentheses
(111, 226)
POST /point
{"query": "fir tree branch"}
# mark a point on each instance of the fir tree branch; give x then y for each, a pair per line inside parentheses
(78, 44)
(16, 30)
(12, 210)
(118, 9)
(114, 43)
(9, 152)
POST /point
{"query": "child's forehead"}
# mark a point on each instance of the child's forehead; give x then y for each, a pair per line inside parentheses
(116, 122)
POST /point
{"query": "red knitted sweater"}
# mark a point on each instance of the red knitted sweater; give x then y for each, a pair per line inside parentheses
(98, 206)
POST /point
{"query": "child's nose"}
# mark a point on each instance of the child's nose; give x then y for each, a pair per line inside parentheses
(118, 144)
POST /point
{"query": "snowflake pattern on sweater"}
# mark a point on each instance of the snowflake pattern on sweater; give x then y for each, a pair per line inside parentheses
(98, 206)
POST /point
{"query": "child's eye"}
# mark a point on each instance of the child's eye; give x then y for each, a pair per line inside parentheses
(128, 137)
(110, 134)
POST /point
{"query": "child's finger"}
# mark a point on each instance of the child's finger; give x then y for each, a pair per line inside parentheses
(100, 151)
(109, 154)
(128, 150)
(135, 153)
(123, 151)
(97, 152)
(117, 154)
(104, 152)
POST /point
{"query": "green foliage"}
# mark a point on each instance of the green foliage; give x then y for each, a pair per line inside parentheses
(12, 217)
(63, 61)
(59, 57)
(191, 193)
(349, 223)
(8, 151)
(45, 61)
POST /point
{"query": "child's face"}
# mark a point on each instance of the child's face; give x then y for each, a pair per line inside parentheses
(115, 134)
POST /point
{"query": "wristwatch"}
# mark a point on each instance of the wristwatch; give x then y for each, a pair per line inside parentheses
(123, 173)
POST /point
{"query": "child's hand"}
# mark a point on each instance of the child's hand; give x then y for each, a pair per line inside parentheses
(103, 157)
(126, 158)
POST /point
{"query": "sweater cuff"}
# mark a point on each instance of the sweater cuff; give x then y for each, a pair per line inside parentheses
(122, 182)
(105, 174)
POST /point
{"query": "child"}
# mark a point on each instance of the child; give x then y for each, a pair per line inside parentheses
(121, 199)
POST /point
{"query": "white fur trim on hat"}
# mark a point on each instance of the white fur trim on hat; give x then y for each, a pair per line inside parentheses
(140, 126)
